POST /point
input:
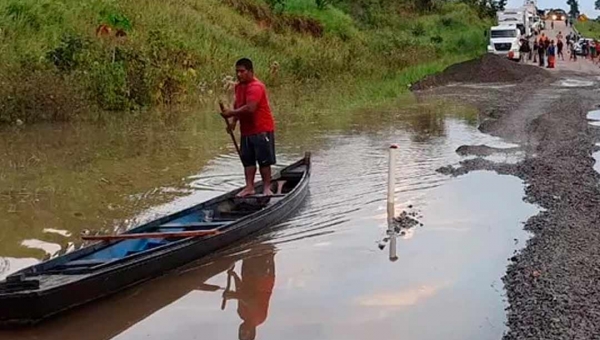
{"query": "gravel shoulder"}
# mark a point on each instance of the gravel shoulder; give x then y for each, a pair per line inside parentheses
(553, 284)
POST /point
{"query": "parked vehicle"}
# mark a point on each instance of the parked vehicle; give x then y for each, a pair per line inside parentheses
(579, 46)
(505, 40)
(517, 16)
(557, 14)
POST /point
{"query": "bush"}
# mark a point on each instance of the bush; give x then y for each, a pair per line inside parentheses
(418, 29)
(276, 5)
(322, 4)
(109, 86)
(437, 39)
(331, 19)
(65, 55)
(446, 22)
(23, 14)
(37, 95)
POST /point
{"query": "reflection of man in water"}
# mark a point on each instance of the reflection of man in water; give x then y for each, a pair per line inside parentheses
(253, 290)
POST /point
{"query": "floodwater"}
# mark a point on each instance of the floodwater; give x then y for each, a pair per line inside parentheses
(320, 274)
(575, 82)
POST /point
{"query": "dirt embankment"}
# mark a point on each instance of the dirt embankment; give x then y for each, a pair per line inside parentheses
(489, 68)
(553, 284)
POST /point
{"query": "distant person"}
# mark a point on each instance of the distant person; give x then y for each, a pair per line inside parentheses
(546, 46)
(552, 24)
(257, 126)
(573, 55)
(551, 54)
(559, 36)
(559, 49)
(535, 50)
(525, 50)
(541, 52)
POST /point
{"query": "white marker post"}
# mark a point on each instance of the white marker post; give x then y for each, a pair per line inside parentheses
(391, 187)
(391, 201)
(393, 237)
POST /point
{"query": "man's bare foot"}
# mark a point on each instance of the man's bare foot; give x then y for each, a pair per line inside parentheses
(246, 192)
(267, 192)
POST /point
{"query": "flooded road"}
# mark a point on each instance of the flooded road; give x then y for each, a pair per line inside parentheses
(319, 275)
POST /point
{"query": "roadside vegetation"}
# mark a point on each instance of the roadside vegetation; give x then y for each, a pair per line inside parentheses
(92, 60)
(589, 29)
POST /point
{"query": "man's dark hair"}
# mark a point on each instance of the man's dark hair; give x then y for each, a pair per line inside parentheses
(247, 63)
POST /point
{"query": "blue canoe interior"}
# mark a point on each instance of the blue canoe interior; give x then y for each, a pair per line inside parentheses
(218, 215)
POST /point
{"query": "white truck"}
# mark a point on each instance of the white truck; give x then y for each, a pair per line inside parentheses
(505, 39)
(535, 22)
(538, 24)
(516, 16)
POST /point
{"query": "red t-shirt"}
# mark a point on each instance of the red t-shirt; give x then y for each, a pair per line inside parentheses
(262, 119)
(253, 305)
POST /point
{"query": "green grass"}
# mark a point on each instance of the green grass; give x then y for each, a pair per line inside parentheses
(176, 53)
(334, 20)
(589, 29)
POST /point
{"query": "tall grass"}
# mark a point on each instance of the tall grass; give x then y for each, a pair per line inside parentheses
(589, 29)
(70, 59)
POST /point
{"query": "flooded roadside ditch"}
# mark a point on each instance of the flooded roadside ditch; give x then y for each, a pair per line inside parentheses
(320, 274)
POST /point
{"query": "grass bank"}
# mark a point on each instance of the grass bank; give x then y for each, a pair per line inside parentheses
(88, 60)
(589, 29)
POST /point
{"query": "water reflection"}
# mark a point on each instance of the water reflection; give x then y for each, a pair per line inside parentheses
(427, 125)
(120, 312)
(253, 289)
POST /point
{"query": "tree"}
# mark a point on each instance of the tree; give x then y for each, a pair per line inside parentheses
(486, 8)
(502, 4)
(574, 5)
(424, 5)
(597, 4)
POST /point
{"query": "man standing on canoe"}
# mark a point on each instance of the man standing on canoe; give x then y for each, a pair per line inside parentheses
(252, 110)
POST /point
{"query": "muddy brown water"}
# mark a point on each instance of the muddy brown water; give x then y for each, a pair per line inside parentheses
(318, 275)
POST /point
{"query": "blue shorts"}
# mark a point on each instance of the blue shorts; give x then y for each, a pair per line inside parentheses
(258, 148)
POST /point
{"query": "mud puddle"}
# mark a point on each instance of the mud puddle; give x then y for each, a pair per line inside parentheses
(575, 82)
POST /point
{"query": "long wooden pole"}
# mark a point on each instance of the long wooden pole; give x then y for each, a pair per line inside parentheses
(131, 236)
(237, 148)
(224, 302)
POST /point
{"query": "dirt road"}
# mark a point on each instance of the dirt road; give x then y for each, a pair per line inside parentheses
(581, 65)
(553, 284)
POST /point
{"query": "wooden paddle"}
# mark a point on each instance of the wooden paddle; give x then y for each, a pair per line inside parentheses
(237, 148)
(150, 235)
(224, 302)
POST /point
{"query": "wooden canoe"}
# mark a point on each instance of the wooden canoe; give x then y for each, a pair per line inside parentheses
(110, 265)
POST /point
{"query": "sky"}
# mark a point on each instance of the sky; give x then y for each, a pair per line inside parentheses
(585, 6)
